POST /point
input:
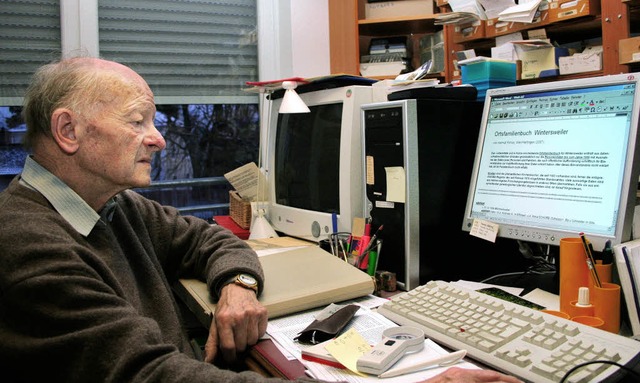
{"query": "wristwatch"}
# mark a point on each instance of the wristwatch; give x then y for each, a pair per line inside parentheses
(245, 280)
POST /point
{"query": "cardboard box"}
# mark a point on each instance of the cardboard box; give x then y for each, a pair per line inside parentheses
(569, 9)
(629, 50)
(398, 8)
(468, 31)
(539, 58)
(588, 61)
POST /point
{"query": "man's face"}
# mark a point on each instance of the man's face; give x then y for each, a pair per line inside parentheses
(121, 138)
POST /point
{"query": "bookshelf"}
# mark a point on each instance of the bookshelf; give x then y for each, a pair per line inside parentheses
(351, 33)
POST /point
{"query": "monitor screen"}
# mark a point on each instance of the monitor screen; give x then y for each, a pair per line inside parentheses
(314, 163)
(308, 159)
(559, 158)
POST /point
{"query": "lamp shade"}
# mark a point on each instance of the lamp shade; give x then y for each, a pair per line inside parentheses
(261, 228)
(292, 103)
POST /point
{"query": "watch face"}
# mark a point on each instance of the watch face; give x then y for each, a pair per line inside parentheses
(247, 280)
(244, 278)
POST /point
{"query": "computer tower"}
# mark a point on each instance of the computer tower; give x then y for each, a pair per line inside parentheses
(418, 157)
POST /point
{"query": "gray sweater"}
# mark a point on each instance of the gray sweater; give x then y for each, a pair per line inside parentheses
(100, 307)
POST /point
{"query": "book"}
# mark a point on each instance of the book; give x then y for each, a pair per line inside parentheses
(269, 357)
(627, 260)
(295, 280)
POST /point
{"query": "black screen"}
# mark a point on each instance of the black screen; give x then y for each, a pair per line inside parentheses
(307, 159)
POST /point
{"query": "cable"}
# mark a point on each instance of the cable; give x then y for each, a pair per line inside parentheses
(575, 368)
(486, 280)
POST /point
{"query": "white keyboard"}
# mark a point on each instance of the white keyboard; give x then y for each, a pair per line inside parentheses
(527, 343)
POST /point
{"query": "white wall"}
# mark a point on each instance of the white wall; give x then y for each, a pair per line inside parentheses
(310, 31)
(293, 38)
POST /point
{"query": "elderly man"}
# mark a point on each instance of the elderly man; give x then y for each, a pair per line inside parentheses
(86, 265)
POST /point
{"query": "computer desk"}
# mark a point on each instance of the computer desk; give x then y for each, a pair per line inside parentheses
(264, 358)
(327, 281)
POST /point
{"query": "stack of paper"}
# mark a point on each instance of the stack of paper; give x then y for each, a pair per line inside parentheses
(524, 12)
(370, 325)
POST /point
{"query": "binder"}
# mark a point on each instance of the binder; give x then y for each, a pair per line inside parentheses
(295, 280)
(627, 259)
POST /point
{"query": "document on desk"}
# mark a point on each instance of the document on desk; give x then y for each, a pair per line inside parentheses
(370, 325)
(295, 280)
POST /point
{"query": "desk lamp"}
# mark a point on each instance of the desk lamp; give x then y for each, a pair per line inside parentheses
(291, 103)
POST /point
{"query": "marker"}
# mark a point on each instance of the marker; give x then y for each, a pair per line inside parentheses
(334, 222)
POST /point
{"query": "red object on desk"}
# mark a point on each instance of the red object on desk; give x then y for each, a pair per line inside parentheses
(228, 223)
(274, 362)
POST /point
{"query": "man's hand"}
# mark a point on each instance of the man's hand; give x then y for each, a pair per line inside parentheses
(462, 375)
(240, 320)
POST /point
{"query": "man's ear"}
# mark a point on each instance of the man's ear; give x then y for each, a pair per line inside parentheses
(63, 128)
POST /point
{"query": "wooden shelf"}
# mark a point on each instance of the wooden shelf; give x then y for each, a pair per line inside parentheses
(352, 34)
(397, 26)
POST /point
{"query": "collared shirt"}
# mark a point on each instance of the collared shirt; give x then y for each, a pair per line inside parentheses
(66, 201)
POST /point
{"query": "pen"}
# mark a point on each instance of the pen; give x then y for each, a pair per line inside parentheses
(590, 261)
(334, 222)
(437, 361)
(372, 240)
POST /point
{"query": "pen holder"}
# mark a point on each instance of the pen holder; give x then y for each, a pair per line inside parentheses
(604, 271)
(606, 305)
(589, 321)
(573, 271)
(559, 314)
(576, 310)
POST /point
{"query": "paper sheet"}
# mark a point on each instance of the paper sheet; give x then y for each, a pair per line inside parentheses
(395, 184)
(246, 179)
(370, 325)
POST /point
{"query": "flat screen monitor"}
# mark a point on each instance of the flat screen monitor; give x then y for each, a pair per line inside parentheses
(314, 164)
(558, 158)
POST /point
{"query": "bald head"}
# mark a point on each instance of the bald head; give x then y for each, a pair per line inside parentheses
(84, 85)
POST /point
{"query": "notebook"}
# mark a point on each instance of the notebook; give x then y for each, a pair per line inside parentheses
(295, 280)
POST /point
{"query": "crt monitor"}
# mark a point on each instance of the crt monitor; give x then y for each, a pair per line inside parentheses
(558, 158)
(314, 163)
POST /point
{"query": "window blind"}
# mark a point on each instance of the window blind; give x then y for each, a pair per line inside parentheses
(29, 37)
(189, 51)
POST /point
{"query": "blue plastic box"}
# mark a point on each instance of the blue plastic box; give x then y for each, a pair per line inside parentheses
(489, 74)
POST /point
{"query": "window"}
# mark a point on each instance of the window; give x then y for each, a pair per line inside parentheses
(196, 56)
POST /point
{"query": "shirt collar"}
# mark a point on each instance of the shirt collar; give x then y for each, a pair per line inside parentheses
(66, 201)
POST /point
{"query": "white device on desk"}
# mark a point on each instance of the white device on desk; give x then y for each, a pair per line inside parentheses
(396, 342)
(530, 344)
